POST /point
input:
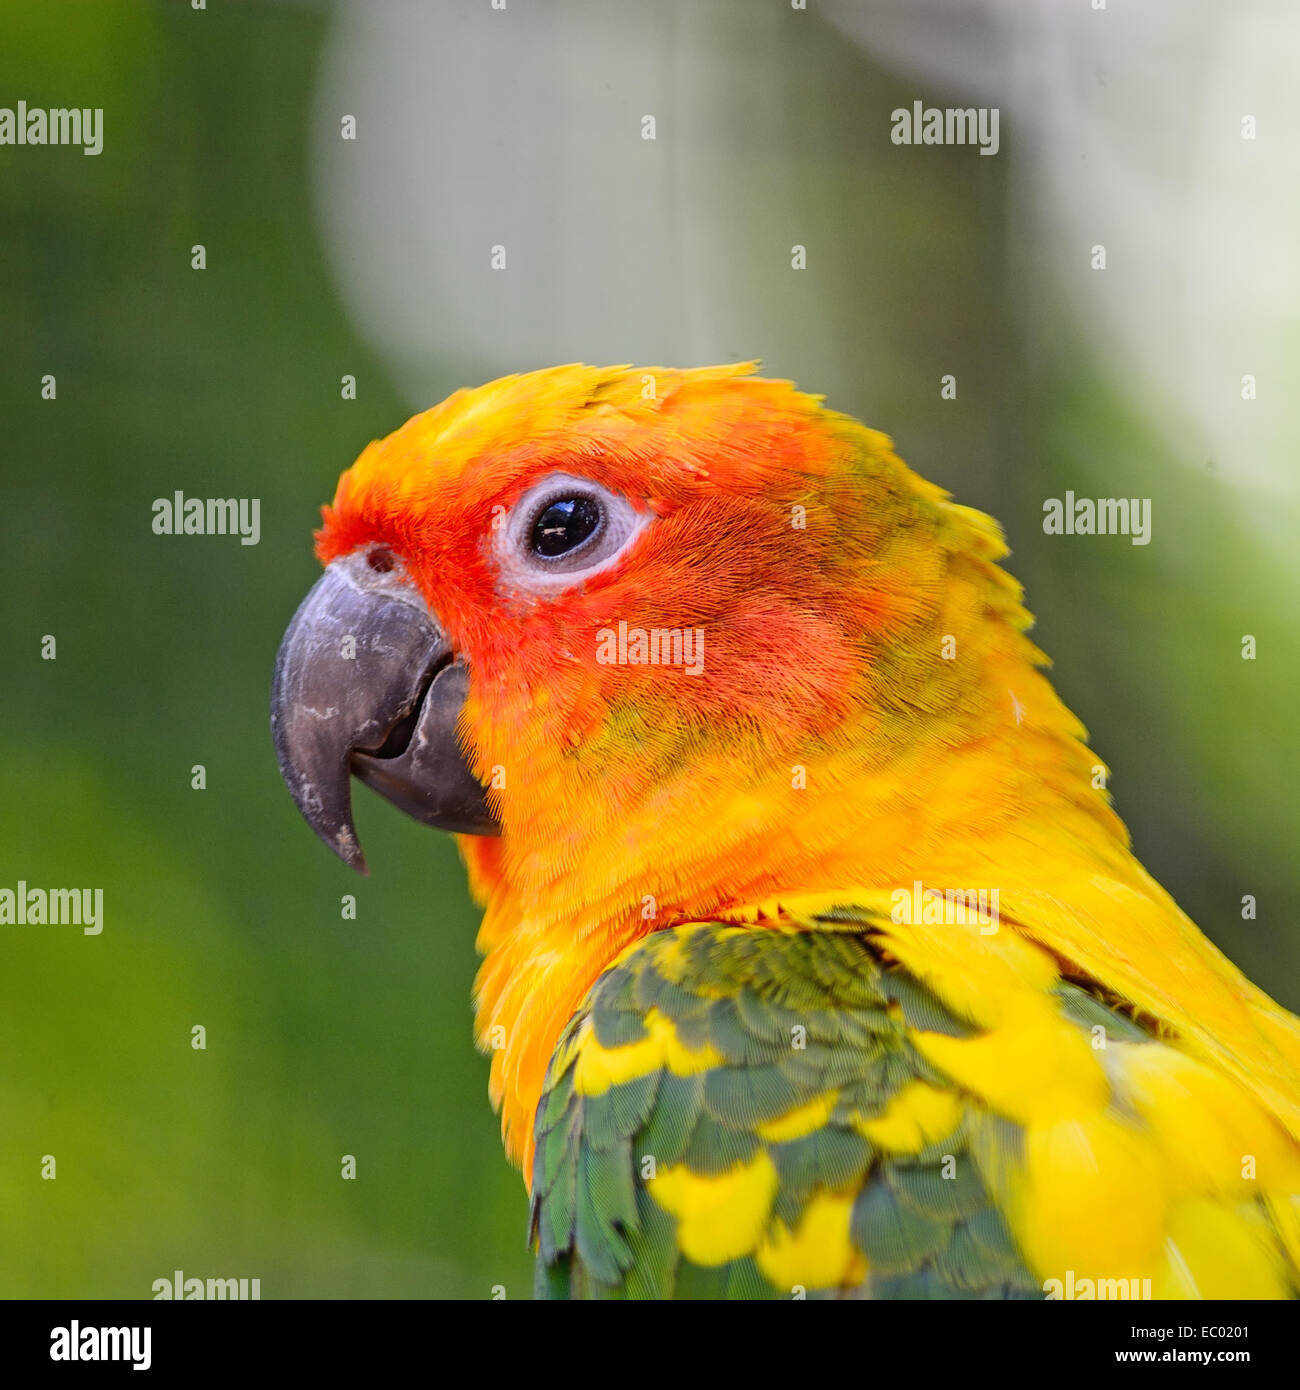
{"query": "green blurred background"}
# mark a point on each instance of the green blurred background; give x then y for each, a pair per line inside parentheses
(328, 1037)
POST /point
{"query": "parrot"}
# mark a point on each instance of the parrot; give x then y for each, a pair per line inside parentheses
(816, 960)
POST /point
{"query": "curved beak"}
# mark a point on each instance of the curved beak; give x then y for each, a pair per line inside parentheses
(366, 685)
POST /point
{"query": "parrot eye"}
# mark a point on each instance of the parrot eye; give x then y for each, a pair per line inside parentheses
(565, 529)
(564, 525)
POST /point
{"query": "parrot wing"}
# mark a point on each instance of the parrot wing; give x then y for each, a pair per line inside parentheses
(819, 1103)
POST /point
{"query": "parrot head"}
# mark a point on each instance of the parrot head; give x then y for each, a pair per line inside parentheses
(652, 643)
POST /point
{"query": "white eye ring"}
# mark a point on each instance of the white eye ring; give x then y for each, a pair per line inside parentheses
(617, 525)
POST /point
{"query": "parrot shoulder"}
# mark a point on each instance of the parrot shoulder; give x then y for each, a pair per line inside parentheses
(740, 1112)
(817, 1102)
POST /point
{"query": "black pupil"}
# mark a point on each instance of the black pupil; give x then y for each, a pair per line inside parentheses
(564, 524)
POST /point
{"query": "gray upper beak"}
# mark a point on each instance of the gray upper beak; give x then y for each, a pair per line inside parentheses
(365, 684)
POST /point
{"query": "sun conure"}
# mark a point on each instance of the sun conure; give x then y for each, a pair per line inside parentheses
(815, 959)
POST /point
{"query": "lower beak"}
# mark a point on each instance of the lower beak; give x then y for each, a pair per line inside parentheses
(366, 685)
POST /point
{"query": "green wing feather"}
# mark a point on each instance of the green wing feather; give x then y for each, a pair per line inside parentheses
(796, 1016)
